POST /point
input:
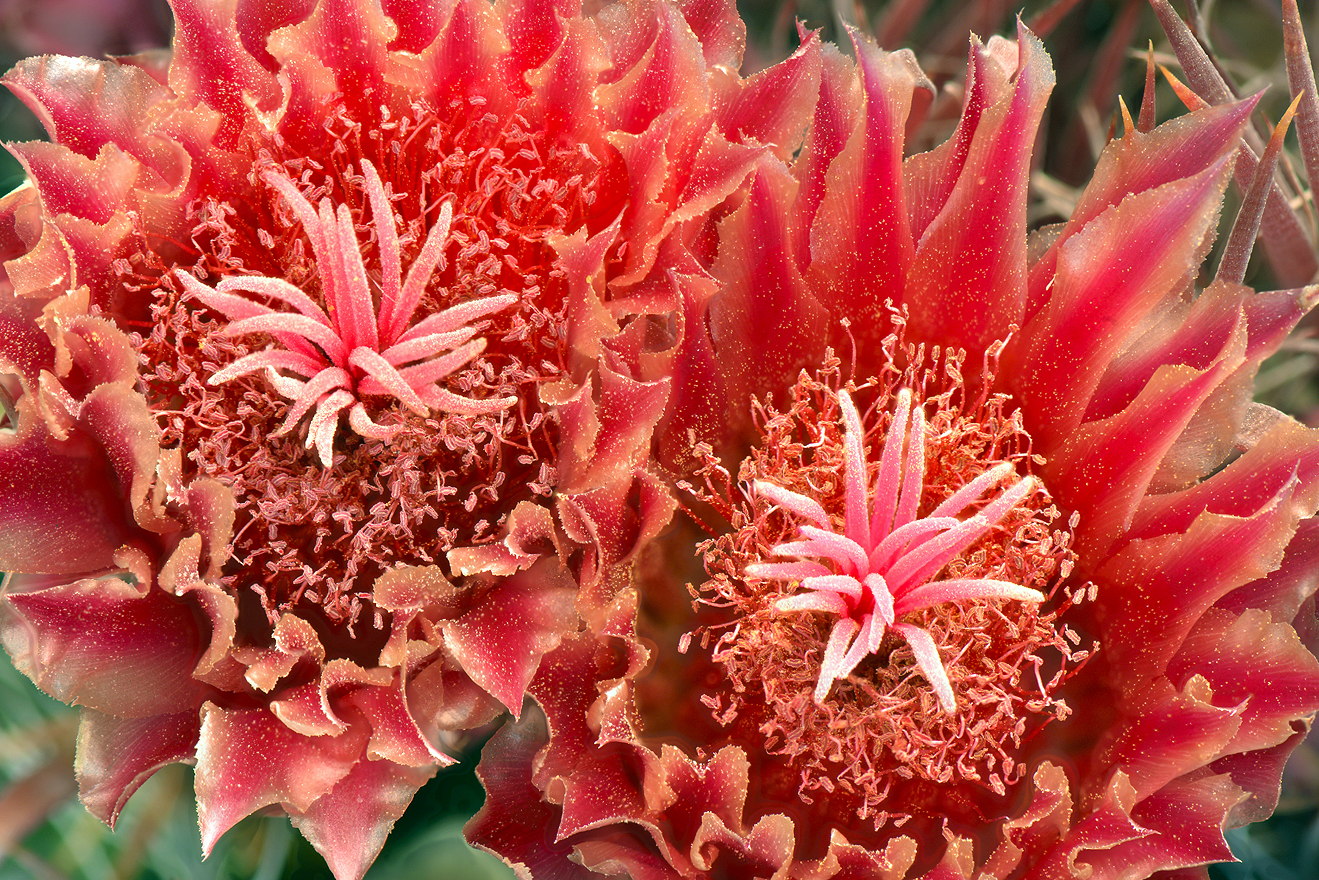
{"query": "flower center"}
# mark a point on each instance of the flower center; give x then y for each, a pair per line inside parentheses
(885, 586)
(365, 373)
(352, 349)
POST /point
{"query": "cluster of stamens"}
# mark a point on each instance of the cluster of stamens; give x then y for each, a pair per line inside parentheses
(880, 608)
(352, 348)
(883, 559)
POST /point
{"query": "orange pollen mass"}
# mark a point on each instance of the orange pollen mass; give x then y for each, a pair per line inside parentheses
(887, 589)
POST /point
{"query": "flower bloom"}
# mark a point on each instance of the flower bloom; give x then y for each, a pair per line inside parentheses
(1065, 433)
(884, 558)
(326, 376)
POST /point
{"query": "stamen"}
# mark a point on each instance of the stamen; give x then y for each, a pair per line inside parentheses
(876, 558)
(882, 661)
(349, 350)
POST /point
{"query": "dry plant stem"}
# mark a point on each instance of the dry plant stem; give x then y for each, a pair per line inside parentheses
(1236, 255)
(1147, 111)
(1300, 79)
(1291, 253)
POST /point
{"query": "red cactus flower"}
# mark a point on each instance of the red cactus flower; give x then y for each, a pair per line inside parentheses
(787, 722)
(328, 376)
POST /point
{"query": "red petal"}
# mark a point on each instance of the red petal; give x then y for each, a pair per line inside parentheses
(720, 29)
(968, 283)
(501, 641)
(1257, 665)
(1185, 821)
(247, 759)
(1175, 578)
(60, 507)
(831, 126)
(669, 76)
(124, 649)
(116, 755)
(764, 324)
(535, 29)
(85, 104)
(346, 38)
(513, 821)
(348, 825)
(1098, 296)
(1174, 732)
(212, 65)
(861, 241)
(1179, 149)
(395, 736)
(94, 188)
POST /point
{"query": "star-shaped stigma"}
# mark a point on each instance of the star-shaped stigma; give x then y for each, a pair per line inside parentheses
(351, 349)
(885, 557)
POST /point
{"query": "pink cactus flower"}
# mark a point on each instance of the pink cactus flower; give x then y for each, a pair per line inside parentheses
(329, 367)
(967, 458)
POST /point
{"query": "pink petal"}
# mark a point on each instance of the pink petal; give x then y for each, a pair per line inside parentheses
(929, 663)
(275, 288)
(972, 491)
(513, 820)
(879, 591)
(901, 538)
(212, 66)
(774, 106)
(763, 324)
(1179, 149)
(384, 374)
(926, 559)
(1175, 578)
(419, 274)
(938, 592)
(913, 479)
(830, 602)
(888, 480)
(841, 549)
(289, 324)
(839, 638)
(395, 735)
(856, 478)
(1074, 338)
(272, 359)
(786, 571)
(457, 317)
(805, 507)
(834, 583)
(61, 510)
